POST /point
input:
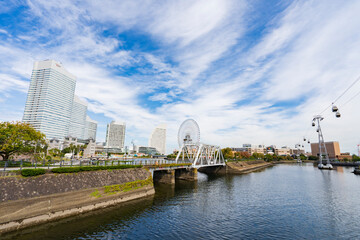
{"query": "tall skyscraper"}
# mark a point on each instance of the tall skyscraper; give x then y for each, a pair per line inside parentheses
(78, 119)
(158, 139)
(90, 128)
(49, 102)
(115, 135)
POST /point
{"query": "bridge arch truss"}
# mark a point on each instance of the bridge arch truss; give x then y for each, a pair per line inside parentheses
(200, 155)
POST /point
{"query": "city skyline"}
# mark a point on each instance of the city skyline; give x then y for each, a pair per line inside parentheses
(247, 71)
(52, 106)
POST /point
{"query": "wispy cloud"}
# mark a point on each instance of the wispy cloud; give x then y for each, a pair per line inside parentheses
(243, 78)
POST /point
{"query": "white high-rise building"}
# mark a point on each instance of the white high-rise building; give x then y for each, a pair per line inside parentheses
(78, 119)
(50, 99)
(90, 128)
(115, 135)
(158, 139)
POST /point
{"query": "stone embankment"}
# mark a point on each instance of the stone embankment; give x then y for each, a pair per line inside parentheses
(246, 166)
(33, 200)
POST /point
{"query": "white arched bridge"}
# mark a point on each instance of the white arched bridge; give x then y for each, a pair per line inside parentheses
(200, 155)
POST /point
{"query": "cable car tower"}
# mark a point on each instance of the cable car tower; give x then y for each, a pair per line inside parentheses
(322, 146)
(298, 146)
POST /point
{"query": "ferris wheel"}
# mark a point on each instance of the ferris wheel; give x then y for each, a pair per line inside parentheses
(192, 151)
(189, 133)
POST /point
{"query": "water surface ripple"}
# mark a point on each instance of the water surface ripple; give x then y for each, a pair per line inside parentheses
(281, 202)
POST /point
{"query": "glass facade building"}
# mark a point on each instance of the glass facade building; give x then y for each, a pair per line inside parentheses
(158, 139)
(90, 128)
(49, 102)
(115, 135)
(78, 119)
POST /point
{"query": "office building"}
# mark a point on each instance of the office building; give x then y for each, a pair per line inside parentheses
(115, 135)
(78, 118)
(249, 148)
(148, 150)
(283, 151)
(89, 150)
(158, 139)
(90, 128)
(54, 143)
(49, 101)
(333, 149)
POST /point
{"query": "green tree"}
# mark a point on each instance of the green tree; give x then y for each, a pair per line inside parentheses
(269, 157)
(171, 156)
(242, 155)
(313, 158)
(227, 153)
(66, 150)
(258, 155)
(18, 138)
(355, 158)
(55, 152)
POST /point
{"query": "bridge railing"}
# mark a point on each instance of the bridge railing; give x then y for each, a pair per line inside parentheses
(18, 165)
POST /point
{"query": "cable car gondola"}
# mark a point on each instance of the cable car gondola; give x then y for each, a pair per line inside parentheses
(337, 114)
(335, 108)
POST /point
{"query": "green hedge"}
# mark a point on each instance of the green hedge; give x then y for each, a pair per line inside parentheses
(95, 168)
(32, 172)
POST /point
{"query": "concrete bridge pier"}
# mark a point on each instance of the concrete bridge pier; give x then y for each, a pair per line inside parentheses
(164, 176)
(169, 175)
(189, 174)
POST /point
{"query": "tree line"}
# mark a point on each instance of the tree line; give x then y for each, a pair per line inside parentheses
(18, 138)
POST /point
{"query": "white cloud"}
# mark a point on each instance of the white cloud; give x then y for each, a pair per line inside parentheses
(308, 54)
(3, 31)
(187, 21)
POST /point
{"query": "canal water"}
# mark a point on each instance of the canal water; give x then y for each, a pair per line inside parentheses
(287, 201)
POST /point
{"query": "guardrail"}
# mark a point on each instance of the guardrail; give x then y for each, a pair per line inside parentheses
(19, 165)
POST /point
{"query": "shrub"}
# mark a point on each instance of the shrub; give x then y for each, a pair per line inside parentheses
(87, 168)
(313, 158)
(32, 172)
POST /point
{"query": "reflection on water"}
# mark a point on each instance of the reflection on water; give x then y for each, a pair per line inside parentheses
(284, 202)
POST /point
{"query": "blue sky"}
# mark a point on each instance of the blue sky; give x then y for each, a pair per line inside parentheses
(246, 71)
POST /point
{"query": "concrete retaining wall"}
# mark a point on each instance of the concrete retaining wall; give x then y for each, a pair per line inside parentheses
(14, 188)
(28, 201)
